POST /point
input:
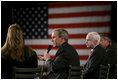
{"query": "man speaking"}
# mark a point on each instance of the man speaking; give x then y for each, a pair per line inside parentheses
(66, 55)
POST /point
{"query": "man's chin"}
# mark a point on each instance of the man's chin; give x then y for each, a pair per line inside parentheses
(54, 45)
(88, 46)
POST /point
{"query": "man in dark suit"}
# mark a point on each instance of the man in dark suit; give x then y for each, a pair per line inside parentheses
(111, 55)
(66, 55)
(92, 66)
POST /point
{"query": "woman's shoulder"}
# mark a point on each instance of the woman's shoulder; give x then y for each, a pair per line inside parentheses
(29, 51)
(27, 48)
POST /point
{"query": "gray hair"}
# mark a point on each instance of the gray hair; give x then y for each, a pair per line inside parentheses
(95, 36)
(62, 32)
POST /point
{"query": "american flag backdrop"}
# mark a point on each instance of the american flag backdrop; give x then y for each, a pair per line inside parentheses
(78, 18)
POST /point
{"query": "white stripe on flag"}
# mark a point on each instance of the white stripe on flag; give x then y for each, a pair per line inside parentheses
(78, 20)
(40, 62)
(52, 52)
(79, 9)
(85, 30)
(48, 41)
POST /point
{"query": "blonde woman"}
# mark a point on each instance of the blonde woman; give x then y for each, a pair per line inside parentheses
(14, 53)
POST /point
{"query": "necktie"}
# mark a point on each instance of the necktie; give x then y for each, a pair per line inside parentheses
(90, 52)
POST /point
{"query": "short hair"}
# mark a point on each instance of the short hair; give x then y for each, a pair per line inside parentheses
(105, 37)
(95, 36)
(62, 32)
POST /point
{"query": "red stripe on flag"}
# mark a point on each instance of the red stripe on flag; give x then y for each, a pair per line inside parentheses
(77, 36)
(81, 57)
(73, 36)
(46, 46)
(80, 25)
(79, 3)
(40, 46)
(80, 14)
(80, 46)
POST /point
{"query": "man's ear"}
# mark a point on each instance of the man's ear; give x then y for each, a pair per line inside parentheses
(62, 37)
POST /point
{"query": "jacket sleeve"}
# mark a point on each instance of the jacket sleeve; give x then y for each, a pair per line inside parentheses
(58, 64)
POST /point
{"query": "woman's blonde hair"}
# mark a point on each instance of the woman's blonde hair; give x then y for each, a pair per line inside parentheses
(14, 45)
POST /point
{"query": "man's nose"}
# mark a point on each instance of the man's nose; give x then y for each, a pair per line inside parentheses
(85, 41)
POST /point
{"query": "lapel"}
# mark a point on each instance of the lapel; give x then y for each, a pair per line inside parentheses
(94, 50)
(92, 53)
(60, 50)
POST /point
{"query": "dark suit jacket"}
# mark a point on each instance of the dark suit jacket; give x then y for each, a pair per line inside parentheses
(91, 68)
(111, 57)
(8, 63)
(65, 56)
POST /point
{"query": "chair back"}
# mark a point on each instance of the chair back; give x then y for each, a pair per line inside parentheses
(75, 72)
(104, 71)
(27, 73)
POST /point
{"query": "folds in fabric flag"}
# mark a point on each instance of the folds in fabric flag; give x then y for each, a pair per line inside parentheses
(78, 18)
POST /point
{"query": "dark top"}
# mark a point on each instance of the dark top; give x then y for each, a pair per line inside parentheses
(8, 64)
(65, 56)
(91, 68)
(112, 60)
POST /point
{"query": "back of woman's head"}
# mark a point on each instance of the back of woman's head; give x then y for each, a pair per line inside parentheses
(14, 44)
(15, 36)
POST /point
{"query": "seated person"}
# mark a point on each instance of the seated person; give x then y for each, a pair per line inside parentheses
(15, 53)
(66, 55)
(111, 55)
(92, 66)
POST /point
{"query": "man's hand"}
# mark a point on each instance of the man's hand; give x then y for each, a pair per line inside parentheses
(46, 56)
(40, 57)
